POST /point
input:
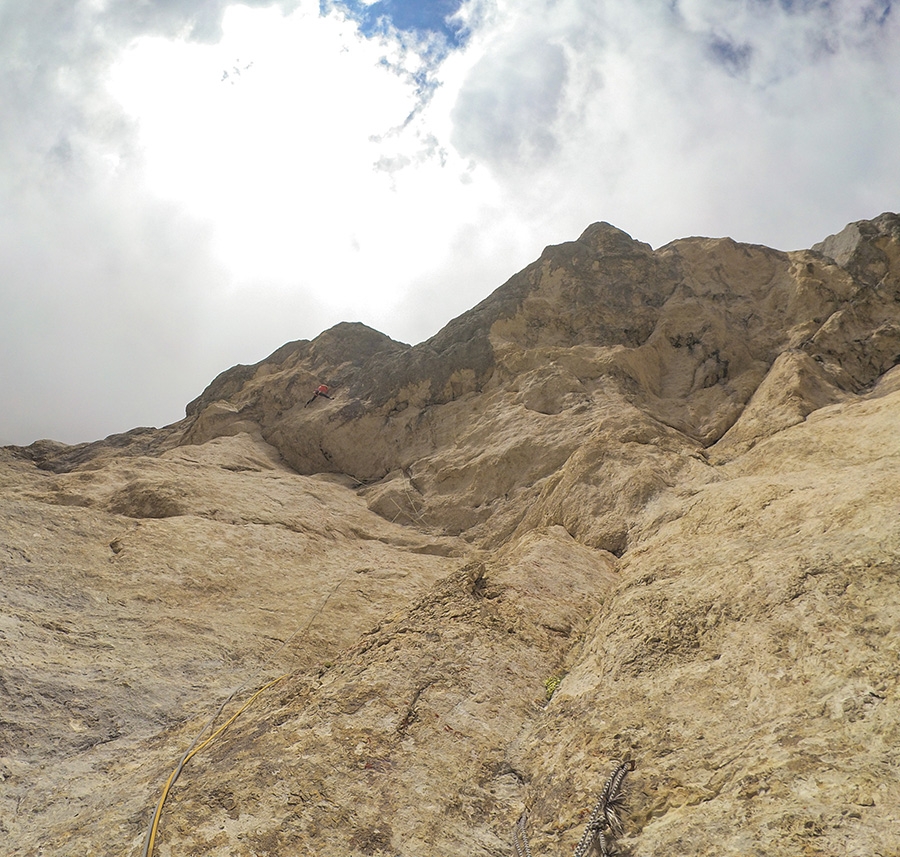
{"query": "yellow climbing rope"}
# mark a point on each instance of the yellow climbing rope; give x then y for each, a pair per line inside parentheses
(190, 753)
(197, 746)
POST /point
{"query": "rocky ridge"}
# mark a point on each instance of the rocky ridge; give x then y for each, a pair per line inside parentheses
(658, 483)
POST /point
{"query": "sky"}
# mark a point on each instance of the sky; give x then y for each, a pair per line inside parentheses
(188, 184)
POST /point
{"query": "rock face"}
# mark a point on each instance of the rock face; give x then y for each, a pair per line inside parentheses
(637, 503)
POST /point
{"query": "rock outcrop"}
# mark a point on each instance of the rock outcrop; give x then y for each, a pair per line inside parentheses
(636, 503)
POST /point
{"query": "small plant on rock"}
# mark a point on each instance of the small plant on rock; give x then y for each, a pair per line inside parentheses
(551, 684)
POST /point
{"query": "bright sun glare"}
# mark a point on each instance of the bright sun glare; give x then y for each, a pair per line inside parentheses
(272, 135)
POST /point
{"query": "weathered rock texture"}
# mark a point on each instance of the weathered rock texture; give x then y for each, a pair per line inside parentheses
(665, 481)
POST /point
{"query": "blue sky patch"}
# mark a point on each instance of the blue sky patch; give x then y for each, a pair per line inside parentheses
(409, 16)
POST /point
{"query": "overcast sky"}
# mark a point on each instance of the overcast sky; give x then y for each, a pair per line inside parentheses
(189, 184)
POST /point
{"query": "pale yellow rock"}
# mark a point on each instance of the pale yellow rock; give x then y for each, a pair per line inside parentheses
(657, 487)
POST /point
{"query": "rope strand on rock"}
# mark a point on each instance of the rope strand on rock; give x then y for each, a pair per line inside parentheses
(196, 745)
(520, 838)
(604, 823)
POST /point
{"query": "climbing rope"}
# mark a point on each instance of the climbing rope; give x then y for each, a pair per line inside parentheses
(605, 817)
(520, 837)
(196, 745)
(192, 751)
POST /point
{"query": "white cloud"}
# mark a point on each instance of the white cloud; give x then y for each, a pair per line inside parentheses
(284, 162)
(508, 106)
(659, 134)
(191, 184)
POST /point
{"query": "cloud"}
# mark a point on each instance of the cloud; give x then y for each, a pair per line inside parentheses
(163, 221)
(150, 241)
(508, 105)
(195, 20)
(102, 284)
(99, 303)
(701, 117)
(781, 39)
(734, 57)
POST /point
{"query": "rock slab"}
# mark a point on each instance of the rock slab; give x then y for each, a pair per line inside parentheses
(636, 504)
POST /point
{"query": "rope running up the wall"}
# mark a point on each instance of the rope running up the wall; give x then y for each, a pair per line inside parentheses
(604, 824)
(196, 745)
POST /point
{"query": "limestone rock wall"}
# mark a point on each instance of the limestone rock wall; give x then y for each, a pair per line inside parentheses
(687, 335)
(636, 503)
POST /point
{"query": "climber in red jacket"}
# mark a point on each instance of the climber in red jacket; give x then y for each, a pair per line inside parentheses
(321, 390)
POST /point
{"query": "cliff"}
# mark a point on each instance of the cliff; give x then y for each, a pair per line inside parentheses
(636, 504)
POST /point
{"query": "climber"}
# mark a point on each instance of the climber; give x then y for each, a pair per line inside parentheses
(321, 390)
